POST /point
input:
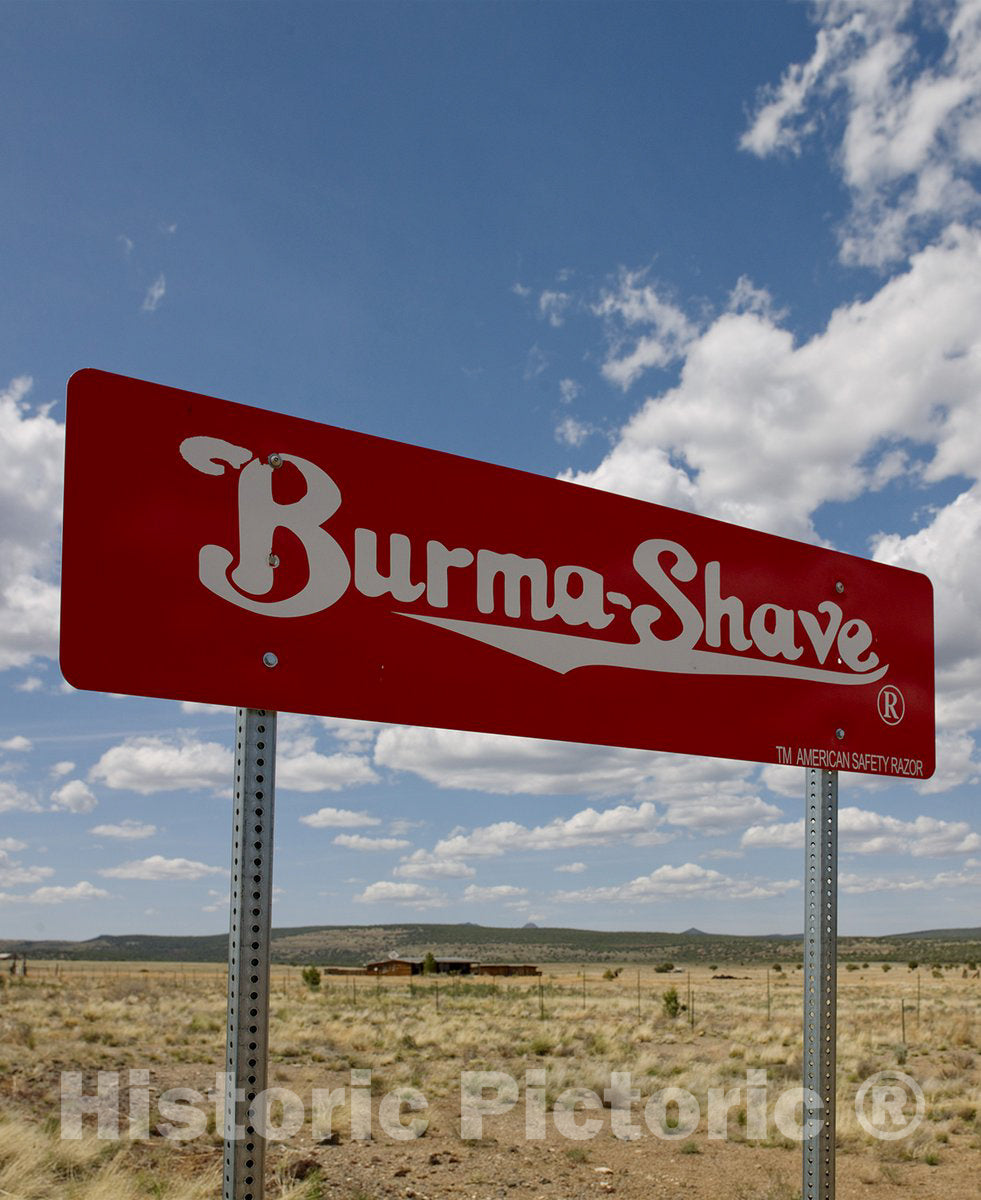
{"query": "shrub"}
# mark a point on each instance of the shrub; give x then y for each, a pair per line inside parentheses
(671, 1003)
(913, 964)
(664, 968)
(429, 964)
(851, 966)
(311, 977)
(777, 967)
(610, 973)
(886, 967)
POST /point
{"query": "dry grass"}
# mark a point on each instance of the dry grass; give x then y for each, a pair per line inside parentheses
(172, 1023)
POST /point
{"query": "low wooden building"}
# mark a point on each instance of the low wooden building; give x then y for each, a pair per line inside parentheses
(507, 969)
(396, 965)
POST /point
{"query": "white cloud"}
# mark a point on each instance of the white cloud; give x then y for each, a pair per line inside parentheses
(406, 895)
(157, 867)
(32, 450)
(74, 796)
(357, 841)
(423, 864)
(666, 334)
(573, 868)
(338, 818)
(500, 891)
(155, 293)
(18, 743)
(30, 683)
(861, 831)
(497, 763)
(589, 827)
(127, 830)
(761, 430)
(311, 771)
(53, 894)
(10, 844)
(571, 432)
(938, 549)
(156, 764)
(13, 873)
(724, 815)
(682, 882)
(552, 306)
(863, 884)
(13, 798)
(569, 390)
(909, 128)
(352, 734)
(59, 769)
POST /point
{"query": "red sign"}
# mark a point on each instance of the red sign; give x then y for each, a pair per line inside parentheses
(216, 552)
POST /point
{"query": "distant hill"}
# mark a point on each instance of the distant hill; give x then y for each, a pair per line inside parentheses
(350, 945)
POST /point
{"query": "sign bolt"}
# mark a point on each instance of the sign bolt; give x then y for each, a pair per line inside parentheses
(839, 586)
(269, 659)
(839, 733)
(273, 560)
(275, 461)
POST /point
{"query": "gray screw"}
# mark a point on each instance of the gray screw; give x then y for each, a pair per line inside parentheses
(273, 560)
(275, 461)
(269, 659)
(839, 734)
(839, 586)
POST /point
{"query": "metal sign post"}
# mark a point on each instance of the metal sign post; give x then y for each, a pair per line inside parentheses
(820, 982)
(248, 951)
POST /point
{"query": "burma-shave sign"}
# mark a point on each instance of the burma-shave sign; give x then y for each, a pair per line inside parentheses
(220, 553)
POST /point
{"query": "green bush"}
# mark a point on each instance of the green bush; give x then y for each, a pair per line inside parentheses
(311, 977)
(671, 1003)
(664, 968)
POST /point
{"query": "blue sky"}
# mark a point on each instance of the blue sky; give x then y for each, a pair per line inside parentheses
(723, 256)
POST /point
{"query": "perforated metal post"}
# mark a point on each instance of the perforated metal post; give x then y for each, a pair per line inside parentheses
(248, 950)
(820, 981)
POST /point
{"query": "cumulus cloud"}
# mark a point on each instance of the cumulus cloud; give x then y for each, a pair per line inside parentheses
(127, 830)
(499, 891)
(571, 432)
(357, 841)
(683, 882)
(338, 818)
(13, 798)
(13, 872)
(863, 884)
(424, 864)
(157, 764)
(644, 329)
(861, 831)
(56, 894)
(154, 294)
(573, 868)
(74, 796)
(497, 763)
(552, 306)
(761, 429)
(32, 451)
(18, 743)
(589, 827)
(311, 771)
(909, 126)
(403, 895)
(156, 867)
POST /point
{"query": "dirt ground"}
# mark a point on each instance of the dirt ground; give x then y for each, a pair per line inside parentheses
(574, 1033)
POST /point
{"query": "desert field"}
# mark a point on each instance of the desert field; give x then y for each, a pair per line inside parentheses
(572, 1032)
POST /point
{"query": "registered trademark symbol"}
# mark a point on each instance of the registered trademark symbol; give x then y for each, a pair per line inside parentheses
(891, 705)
